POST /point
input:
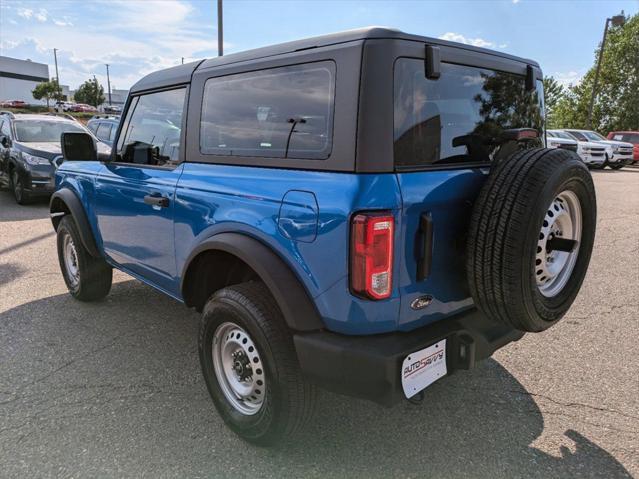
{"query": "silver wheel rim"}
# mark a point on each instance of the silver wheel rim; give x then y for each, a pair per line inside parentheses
(71, 260)
(238, 368)
(553, 268)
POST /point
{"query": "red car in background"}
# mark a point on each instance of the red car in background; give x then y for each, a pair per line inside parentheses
(629, 137)
(13, 104)
(83, 108)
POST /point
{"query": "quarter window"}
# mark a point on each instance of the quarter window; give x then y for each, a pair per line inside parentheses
(152, 133)
(282, 112)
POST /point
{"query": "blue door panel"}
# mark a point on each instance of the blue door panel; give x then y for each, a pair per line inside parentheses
(136, 235)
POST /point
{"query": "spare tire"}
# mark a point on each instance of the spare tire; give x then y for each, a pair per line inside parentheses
(530, 237)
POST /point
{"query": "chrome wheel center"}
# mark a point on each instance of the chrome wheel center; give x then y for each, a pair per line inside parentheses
(71, 260)
(555, 258)
(238, 368)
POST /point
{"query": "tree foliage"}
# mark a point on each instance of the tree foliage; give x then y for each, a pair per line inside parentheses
(617, 102)
(49, 90)
(554, 92)
(90, 92)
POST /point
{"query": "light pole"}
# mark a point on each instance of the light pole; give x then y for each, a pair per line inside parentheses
(220, 31)
(617, 21)
(57, 76)
(108, 83)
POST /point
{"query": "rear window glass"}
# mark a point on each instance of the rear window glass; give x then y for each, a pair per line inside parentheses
(278, 113)
(461, 116)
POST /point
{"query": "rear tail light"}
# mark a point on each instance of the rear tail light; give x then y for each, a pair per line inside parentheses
(372, 255)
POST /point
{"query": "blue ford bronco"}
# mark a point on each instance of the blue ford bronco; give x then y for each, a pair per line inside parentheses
(364, 212)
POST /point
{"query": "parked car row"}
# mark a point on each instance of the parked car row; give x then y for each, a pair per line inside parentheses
(594, 150)
(30, 151)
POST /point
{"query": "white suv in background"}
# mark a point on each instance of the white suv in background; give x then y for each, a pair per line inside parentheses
(563, 141)
(618, 153)
(591, 153)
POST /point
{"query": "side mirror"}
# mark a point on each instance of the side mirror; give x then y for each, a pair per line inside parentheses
(78, 147)
(5, 141)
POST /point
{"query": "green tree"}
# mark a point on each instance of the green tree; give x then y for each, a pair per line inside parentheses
(90, 92)
(617, 104)
(553, 92)
(49, 90)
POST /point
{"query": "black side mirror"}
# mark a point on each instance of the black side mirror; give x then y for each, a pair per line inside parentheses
(78, 147)
(5, 141)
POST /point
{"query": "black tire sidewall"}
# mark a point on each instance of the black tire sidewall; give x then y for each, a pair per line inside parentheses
(255, 427)
(576, 179)
(67, 228)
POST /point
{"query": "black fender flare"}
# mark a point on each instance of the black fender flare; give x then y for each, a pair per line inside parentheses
(291, 296)
(74, 207)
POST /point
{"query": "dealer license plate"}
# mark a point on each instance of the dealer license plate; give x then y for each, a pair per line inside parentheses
(422, 368)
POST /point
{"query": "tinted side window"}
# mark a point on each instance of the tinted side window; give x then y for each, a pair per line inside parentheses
(104, 131)
(461, 116)
(278, 113)
(152, 133)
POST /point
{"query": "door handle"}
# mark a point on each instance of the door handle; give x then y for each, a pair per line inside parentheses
(152, 200)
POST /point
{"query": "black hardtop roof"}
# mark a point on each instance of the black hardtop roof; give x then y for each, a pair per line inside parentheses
(183, 73)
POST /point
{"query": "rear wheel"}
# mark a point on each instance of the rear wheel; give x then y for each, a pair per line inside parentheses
(531, 237)
(250, 366)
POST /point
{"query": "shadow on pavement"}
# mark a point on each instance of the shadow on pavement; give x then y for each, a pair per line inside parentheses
(10, 211)
(114, 388)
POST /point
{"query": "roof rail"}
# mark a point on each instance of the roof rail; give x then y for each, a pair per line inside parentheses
(8, 113)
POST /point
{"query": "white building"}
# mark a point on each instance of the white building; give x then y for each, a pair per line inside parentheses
(18, 78)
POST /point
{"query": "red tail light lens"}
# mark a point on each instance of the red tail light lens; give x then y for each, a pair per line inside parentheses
(372, 255)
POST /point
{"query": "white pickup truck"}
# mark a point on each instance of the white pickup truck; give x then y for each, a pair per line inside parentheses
(618, 153)
(591, 153)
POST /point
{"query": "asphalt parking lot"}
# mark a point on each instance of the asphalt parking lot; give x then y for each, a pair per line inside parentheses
(113, 389)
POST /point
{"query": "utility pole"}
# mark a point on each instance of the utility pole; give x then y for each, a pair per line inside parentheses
(57, 76)
(108, 83)
(617, 21)
(220, 30)
(182, 60)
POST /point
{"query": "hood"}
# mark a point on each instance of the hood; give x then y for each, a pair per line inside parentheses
(53, 149)
(49, 149)
(616, 143)
(591, 144)
(563, 141)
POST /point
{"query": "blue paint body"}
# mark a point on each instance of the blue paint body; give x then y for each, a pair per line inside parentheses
(303, 216)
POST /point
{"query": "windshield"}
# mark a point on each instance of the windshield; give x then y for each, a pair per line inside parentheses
(561, 134)
(461, 117)
(35, 131)
(577, 135)
(594, 136)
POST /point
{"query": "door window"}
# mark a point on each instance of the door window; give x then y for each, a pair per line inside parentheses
(152, 133)
(104, 131)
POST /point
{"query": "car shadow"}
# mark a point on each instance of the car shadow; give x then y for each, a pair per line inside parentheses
(124, 371)
(9, 211)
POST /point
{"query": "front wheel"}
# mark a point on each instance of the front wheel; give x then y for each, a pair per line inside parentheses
(17, 186)
(250, 366)
(86, 277)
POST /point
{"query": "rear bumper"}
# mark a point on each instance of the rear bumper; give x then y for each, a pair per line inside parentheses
(369, 367)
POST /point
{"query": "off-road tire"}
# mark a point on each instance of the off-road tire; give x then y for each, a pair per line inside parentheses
(504, 231)
(95, 274)
(290, 398)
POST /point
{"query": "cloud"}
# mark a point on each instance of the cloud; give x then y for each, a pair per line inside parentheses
(62, 22)
(515, 2)
(476, 42)
(41, 16)
(25, 13)
(571, 77)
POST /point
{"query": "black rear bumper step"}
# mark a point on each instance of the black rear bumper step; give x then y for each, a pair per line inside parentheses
(368, 367)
